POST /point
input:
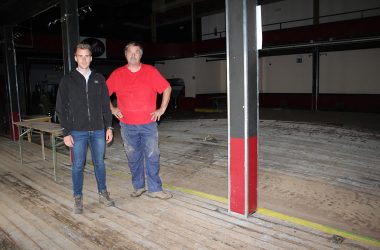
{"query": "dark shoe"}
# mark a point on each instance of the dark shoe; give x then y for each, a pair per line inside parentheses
(104, 198)
(138, 192)
(160, 195)
(78, 205)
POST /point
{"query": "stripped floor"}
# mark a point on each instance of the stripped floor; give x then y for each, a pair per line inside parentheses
(295, 163)
(328, 173)
(36, 213)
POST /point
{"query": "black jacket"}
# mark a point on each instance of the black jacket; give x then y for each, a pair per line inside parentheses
(81, 106)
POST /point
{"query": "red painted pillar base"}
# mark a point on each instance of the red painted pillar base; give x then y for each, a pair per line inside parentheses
(252, 174)
(14, 130)
(243, 176)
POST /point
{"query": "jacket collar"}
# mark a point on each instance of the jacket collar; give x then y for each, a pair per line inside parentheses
(75, 72)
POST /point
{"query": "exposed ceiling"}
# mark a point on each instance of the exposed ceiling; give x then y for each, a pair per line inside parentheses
(17, 11)
(125, 19)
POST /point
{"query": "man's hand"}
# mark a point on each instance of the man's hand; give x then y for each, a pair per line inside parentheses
(156, 115)
(109, 135)
(69, 141)
(116, 112)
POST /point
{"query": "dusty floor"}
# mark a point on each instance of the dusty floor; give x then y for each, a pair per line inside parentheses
(36, 213)
(328, 172)
(323, 167)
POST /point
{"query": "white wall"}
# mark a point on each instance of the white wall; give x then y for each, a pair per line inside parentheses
(341, 72)
(211, 76)
(217, 23)
(286, 74)
(350, 72)
(181, 68)
(214, 23)
(331, 7)
(290, 10)
(200, 76)
(287, 10)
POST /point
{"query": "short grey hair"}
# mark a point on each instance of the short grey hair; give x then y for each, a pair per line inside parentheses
(133, 43)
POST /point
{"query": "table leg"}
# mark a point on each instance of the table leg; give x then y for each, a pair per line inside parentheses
(54, 156)
(20, 141)
(43, 145)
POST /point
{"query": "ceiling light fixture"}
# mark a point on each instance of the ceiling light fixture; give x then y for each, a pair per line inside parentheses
(80, 12)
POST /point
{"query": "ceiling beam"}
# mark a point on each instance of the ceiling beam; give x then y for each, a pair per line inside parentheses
(18, 11)
(263, 2)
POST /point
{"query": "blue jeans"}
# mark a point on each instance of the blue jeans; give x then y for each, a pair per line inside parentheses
(97, 143)
(141, 144)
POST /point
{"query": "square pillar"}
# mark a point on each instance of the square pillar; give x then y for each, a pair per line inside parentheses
(242, 81)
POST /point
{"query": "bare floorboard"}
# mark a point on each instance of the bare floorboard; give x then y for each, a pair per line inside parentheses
(323, 173)
(36, 213)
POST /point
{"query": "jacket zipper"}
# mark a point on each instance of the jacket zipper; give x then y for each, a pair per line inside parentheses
(88, 103)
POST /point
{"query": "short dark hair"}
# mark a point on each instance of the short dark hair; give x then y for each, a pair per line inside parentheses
(133, 43)
(83, 46)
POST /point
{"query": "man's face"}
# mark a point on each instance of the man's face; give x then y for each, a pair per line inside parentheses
(83, 58)
(133, 54)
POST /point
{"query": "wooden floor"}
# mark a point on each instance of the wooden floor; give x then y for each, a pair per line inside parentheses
(36, 213)
(324, 173)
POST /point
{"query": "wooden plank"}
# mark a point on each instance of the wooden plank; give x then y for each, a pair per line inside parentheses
(38, 119)
(17, 235)
(48, 127)
(6, 242)
(82, 230)
(163, 240)
(208, 221)
(35, 119)
(28, 228)
(56, 218)
(40, 224)
(182, 222)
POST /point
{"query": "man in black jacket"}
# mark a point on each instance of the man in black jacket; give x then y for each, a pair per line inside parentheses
(84, 113)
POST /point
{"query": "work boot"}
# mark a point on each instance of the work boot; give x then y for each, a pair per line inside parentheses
(160, 194)
(78, 205)
(138, 192)
(104, 198)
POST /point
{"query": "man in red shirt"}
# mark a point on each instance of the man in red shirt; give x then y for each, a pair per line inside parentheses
(136, 86)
